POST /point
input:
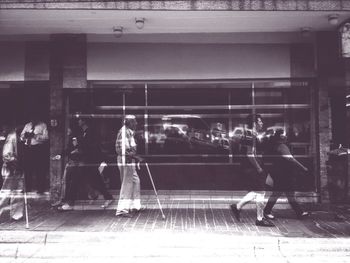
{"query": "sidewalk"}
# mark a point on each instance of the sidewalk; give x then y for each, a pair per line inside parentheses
(194, 231)
(183, 216)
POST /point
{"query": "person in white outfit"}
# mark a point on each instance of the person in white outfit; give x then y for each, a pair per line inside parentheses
(129, 198)
(11, 194)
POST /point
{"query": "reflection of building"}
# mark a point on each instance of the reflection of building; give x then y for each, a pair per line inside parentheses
(223, 63)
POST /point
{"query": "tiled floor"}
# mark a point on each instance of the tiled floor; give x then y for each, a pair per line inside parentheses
(182, 216)
(194, 231)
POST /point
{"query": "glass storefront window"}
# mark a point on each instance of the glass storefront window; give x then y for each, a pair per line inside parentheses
(190, 131)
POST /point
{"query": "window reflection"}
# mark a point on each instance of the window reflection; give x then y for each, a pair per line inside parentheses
(198, 123)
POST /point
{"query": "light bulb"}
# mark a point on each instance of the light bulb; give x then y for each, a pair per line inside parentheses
(118, 31)
(140, 22)
(333, 19)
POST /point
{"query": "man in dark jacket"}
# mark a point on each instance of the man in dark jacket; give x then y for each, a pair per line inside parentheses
(91, 159)
(85, 155)
(72, 175)
(283, 164)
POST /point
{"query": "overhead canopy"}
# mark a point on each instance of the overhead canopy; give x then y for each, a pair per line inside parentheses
(167, 17)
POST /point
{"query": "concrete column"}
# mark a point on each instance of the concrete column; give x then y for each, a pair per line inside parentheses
(67, 70)
(330, 82)
(302, 66)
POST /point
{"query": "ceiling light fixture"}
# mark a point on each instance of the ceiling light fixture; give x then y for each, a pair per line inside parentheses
(118, 31)
(140, 22)
(333, 19)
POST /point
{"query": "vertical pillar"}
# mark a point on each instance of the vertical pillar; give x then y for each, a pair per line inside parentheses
(302, 65)
(67, 70)
(35, 90)
(330, 82)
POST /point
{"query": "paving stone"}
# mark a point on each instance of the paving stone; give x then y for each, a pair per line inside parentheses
(195, 231)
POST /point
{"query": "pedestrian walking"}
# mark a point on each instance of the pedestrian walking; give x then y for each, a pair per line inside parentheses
(253, 171)
(282, 169)
(72, 176)
(129, 197)
(91, 155)
(81, 171)
(13, 181)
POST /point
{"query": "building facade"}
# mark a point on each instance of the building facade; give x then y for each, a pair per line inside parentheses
(191, 72)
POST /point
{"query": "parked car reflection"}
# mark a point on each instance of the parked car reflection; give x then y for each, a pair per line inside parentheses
(187, 134)
(272, 129)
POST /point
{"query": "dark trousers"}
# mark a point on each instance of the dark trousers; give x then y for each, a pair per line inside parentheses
(291, 200)
(95, 181)
(73, 179)
(80, 175)
(35, 165)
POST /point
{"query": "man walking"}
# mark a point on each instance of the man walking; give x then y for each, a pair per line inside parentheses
(253, 172)
(129, 197)
(91, 158)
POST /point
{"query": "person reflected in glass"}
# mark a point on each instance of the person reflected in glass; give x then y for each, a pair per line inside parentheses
(3, 135)
(129, 198)
(13, 180)
(217, 133)
(282, 169)
(253, 171)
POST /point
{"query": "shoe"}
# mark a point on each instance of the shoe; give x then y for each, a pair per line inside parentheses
(264, 222)
(236, 212)
(269, 216)
(303, 215)
(65, 207)
(106, 204)
(17, 217)
(124, 214)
